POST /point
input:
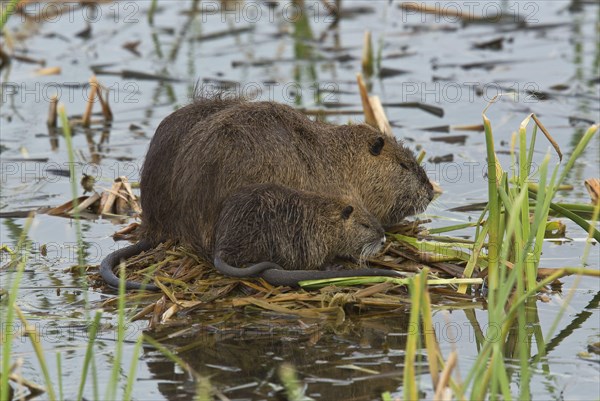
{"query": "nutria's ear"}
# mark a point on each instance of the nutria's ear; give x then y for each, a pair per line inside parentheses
(377, 146)
(347, 212)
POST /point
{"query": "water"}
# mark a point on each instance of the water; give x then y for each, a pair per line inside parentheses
(283, 54)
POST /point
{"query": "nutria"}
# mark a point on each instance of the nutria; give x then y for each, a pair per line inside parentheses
(203, 153)
(293, 231)
(283, 234)
(189, 172)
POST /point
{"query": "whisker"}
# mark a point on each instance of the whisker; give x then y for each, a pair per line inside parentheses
(362, 259)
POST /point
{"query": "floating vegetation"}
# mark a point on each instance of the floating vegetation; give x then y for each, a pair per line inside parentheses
(188, 282)
(455, 265)
(511, 230)
(119, 201)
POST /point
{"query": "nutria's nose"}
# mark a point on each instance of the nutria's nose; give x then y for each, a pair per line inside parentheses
(383, 241)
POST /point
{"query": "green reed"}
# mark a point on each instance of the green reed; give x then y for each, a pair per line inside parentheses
(515, 225)
(6, 11)
(8, 310)
(508, 243)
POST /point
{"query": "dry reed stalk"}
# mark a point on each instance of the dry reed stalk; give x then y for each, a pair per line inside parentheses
(103, 200)
(373, 109)
(85, 204)
(65, 207)
(133, 199)
(52, 112)
(364, 97)
(381, 119)
(474, 127)
(372, 290)
(593, 187)
(48, 71)
(548, 136)
(169, 313)
(159, 307)
(126, 231)
(141, 314)
(87, 115)
(367, 56)
(106, 111)
(121, 202)
(34, 389)
(111, 198)
(441, 392)
(436, 187)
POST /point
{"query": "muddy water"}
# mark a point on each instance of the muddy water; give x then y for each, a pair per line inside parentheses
(546, 53)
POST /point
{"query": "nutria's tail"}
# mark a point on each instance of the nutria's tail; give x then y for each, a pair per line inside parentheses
(113, 260)
(251, 271)
(276, 275)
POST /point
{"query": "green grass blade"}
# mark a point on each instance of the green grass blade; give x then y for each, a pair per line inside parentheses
(524, 172)
(576, 219)
(500, 375)
(152, 11)
(455, 227)
(579, 149)
(35, 336)
(69, 142)
(89, 353)
(494, 212)
(59, 374)
(113, 382)
(531, 149)
(410, 389)
(5, 13)
(474, 258)
(8, 313)
(133, 369)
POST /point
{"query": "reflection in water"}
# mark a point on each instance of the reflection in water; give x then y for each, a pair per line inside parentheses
(576, 324)
(583, 79)
(357, 359)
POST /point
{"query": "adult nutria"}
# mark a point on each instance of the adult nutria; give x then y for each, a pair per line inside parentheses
(189, 172)
(203, 153)
(293, 232)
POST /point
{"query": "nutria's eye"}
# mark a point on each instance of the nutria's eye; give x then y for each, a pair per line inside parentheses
(365, 225)
(377, 146)
(347, 212)
(404, 166)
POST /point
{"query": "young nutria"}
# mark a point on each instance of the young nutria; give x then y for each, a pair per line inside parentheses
(203, 153)
(285, 234)
(293, 232)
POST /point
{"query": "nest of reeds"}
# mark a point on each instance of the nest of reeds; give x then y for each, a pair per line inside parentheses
(191, 283)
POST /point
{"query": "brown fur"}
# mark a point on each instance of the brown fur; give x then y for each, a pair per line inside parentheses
(205, 152)
(298, 230)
